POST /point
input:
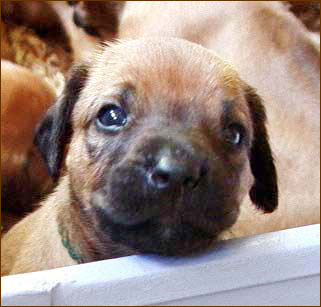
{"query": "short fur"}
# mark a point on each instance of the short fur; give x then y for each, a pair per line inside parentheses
(277, 55)
(23, 174)
(271, 50)
(104, 206)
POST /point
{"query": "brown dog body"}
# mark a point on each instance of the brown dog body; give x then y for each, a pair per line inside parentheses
(24, 100)
(164, 177)
(183, 107)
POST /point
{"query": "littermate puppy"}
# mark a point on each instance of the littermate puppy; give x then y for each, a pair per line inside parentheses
(25, 98)
(155, 144)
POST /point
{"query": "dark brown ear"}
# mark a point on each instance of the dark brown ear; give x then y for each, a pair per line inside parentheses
(264, 192)
(99, 18)
(54, 131)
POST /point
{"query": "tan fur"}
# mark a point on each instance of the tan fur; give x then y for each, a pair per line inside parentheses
(34, 244)
(254, 38)
(81, 44)
(274, 53)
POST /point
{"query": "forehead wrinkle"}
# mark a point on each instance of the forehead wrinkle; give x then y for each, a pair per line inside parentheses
(172, 83)
(156, 59)
(175, 72)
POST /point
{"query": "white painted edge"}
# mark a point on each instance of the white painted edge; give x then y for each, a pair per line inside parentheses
(280, 258)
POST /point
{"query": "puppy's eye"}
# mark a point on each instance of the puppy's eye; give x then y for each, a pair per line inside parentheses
(234, 134)
(111, 117)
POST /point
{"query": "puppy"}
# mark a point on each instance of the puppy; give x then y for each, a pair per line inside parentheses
(24, 100)
(274, 52)
(162, 149)
(82, 44)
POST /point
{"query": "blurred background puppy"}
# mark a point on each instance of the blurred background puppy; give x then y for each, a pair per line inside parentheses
(24, 99)
(37, 15)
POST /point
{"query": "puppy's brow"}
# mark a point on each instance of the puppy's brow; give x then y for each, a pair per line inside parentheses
(127, 95)
(230, 112)
(227, 109)
(123, 94)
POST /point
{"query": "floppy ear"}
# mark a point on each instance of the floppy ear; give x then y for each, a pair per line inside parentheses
(264, 192)
(54, 131)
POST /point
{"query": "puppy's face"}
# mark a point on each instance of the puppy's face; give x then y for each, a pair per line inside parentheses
(164, 145)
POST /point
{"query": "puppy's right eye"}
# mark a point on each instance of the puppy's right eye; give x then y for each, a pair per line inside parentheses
(234, 134)
(111, 117)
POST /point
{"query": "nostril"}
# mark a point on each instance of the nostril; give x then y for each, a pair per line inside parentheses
(160, 179)
(166, 171)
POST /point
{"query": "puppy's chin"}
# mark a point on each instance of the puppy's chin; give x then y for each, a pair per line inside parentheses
(172, 233)
(157, 235)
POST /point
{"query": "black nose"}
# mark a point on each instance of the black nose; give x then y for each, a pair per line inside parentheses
(176, 168)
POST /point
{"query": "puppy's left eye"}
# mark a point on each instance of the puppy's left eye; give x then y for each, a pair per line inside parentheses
(111, 117)
(234, 134)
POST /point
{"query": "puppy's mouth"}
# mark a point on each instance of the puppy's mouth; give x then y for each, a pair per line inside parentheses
(174, 206)
(177, 229)
(166, 236)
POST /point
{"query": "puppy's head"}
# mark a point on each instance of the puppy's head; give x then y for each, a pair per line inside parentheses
(165, 140)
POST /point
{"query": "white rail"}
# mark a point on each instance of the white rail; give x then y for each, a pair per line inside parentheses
(279, 268)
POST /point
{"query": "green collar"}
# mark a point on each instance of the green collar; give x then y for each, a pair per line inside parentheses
(73, 251)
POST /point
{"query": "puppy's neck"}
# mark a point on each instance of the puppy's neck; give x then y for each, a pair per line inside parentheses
(79, 232)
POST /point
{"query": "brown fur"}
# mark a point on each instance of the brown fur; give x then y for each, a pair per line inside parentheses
(24, 100)
(81, 43)
(6, 52)
(286, 72)
(274, 53)
(104, 201)
(308, 12)
(98, 18)
(36, 15)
